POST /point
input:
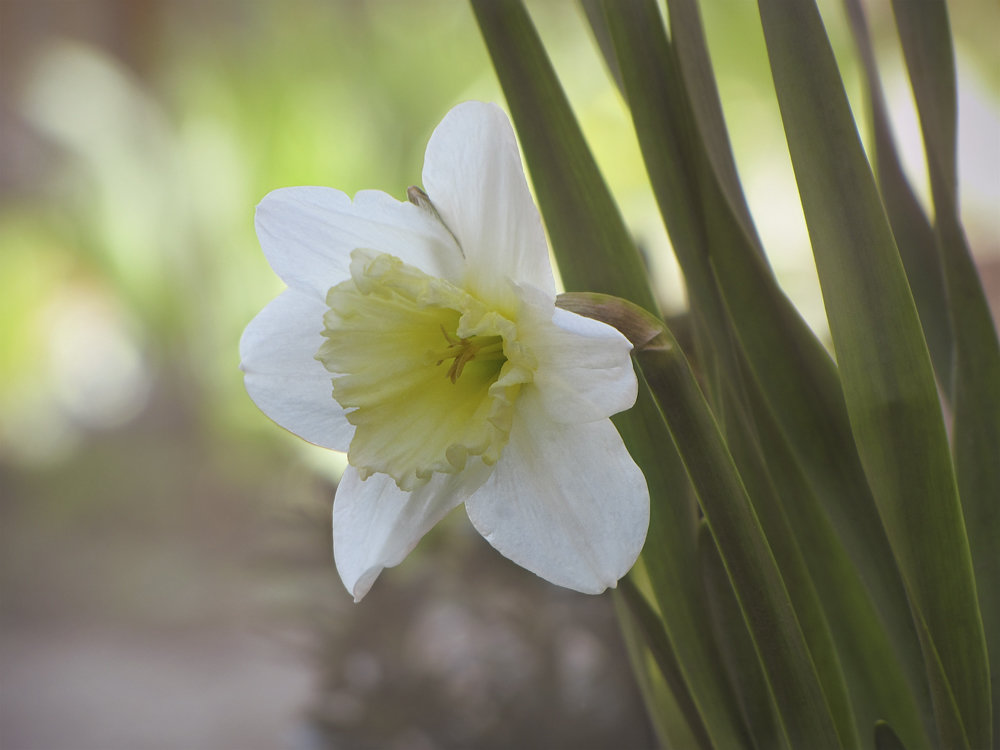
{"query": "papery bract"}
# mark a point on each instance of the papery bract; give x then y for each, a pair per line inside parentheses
(423, 339)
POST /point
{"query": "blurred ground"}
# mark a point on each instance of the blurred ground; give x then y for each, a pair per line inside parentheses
(134, 606)
(116, 687)
(159, 594)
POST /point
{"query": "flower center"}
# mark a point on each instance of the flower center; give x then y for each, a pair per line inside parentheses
(389, 331)
(463, 351)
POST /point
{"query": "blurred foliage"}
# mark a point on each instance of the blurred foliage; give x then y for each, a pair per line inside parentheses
(139, 136)
(148, 209)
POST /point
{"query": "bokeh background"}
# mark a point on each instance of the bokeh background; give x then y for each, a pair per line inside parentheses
(165, 570)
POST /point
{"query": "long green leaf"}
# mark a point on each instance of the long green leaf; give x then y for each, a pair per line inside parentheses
(602, 35)
(653, 635)
(684, 218)
(886, 738)
(745, 444)
(737, 647)
(881, 686)
(675, 184)
(912, 229)
(706, 110)
(595, 252)
(670, 556)
(884, 364)
(672, 726)
(925, 34)
(782, 649)
(790, 364)
(790, 367)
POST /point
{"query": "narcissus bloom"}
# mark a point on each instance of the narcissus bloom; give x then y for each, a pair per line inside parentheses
(423, 339)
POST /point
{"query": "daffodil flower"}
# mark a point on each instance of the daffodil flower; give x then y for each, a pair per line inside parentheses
(423, 339)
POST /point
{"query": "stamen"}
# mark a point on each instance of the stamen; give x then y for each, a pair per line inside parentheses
(462, 351)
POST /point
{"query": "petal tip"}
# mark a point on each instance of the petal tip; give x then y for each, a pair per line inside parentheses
(363, 584)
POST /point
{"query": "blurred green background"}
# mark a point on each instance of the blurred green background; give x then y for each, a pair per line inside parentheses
(165, 570)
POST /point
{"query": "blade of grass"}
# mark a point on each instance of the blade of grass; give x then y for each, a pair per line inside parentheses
(684, 220)
(910, 225)
(737, 647)
(924, 31)
(882, 684)
(672, 727)
(885, 366)
(669, 556)
(885, 738)
(650, 627)
(790, 367)
(595, 19)
(744, 443)
(782, 650)
(695, 67)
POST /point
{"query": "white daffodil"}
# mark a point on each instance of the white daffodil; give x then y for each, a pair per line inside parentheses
(423, 339)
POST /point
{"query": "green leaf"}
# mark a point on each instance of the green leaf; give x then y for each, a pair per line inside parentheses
(925, 34)
(650, 628)
(672, 727)
(912, 229)
(702, 95)
(595, 17)
(885, 367)
(767, 609)
(669, 556)
(789, 363)
(789, 366)
(594, 251)
(674, 183)
(885, 738)
(737, 648)
(757, 582)
(883, 685)
(745, 444)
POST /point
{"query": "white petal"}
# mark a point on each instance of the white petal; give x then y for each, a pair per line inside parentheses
(584, 370)
(376, 525)
(308, 233)
(282, 376)
(566, 502)
(473, 175)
